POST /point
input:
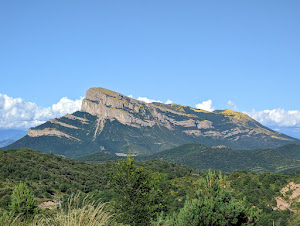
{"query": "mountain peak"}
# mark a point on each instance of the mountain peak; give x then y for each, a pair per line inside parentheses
(106, 96)
(104, 91)
(105, 103)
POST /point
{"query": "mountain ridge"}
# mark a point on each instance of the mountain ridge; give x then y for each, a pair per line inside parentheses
(112, 122)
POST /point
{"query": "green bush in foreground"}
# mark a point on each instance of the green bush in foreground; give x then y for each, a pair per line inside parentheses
(139, 194)
(213, 205)
(23, 202)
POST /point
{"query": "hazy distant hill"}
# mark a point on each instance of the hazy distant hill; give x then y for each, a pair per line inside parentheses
(111, 122)
(8, 136)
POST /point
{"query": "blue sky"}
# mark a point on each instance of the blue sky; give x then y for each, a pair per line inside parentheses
(246, 52)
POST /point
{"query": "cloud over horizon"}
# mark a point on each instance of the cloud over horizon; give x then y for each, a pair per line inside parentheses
(206, 105)
(231, 104)
(17, 114)
(281, 120)
(277, 117)
(148, 100)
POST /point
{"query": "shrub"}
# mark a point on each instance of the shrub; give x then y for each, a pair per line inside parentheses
(23, 202)
(213, 205)
(139, 194)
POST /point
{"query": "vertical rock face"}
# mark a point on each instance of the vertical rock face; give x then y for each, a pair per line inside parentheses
(106, 104)
(112, 122)
(106, 98)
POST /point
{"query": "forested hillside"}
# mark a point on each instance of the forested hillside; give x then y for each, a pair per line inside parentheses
(199, 157)
(202, 158)
(50, 178)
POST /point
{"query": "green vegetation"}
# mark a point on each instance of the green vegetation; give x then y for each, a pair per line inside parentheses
(139, 194)
(78, 212)
(213, 205)
(158, 192)
(202, 158)
(23, 202)
(47, 174)
(284, 159)
(291, 150)
(98, 157)
(50, 176)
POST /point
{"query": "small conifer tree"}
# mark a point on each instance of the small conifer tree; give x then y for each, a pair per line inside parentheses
(23, 202)
(139, 194)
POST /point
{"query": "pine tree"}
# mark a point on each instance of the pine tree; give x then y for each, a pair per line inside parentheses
(139, 193)
(23, 202)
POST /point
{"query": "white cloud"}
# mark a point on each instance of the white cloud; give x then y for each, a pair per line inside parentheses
(169, 102)
(205, 105)
(148, 100)
(17, 114)
(277, 117)
(65, 106)
(231, 104)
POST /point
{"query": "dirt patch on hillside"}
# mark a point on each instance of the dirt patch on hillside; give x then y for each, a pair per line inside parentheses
(49, 204)
(290, 195)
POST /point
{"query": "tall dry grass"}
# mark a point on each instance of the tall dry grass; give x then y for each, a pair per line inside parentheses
(77, 213)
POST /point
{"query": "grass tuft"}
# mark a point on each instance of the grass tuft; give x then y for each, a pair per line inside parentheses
(77, 213)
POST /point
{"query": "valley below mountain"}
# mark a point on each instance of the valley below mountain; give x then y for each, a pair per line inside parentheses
(285, 159)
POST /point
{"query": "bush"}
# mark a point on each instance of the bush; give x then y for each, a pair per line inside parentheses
(23, 202)
(213, 205)
(139, 194)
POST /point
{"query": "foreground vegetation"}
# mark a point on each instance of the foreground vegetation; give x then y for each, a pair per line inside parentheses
(135, 193)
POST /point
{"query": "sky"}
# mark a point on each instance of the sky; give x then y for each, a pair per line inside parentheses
(239, 55)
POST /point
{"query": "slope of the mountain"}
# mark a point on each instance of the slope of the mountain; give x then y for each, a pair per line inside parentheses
(223, 158)
(99, 157)
(111, 122)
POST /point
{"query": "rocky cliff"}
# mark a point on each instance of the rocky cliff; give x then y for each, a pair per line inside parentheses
(112, 122)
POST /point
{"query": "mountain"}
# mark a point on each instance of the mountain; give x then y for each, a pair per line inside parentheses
(202, 158)
(8, 136)
(111, 122)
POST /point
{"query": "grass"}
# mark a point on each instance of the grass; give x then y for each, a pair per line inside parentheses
(77, 213)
